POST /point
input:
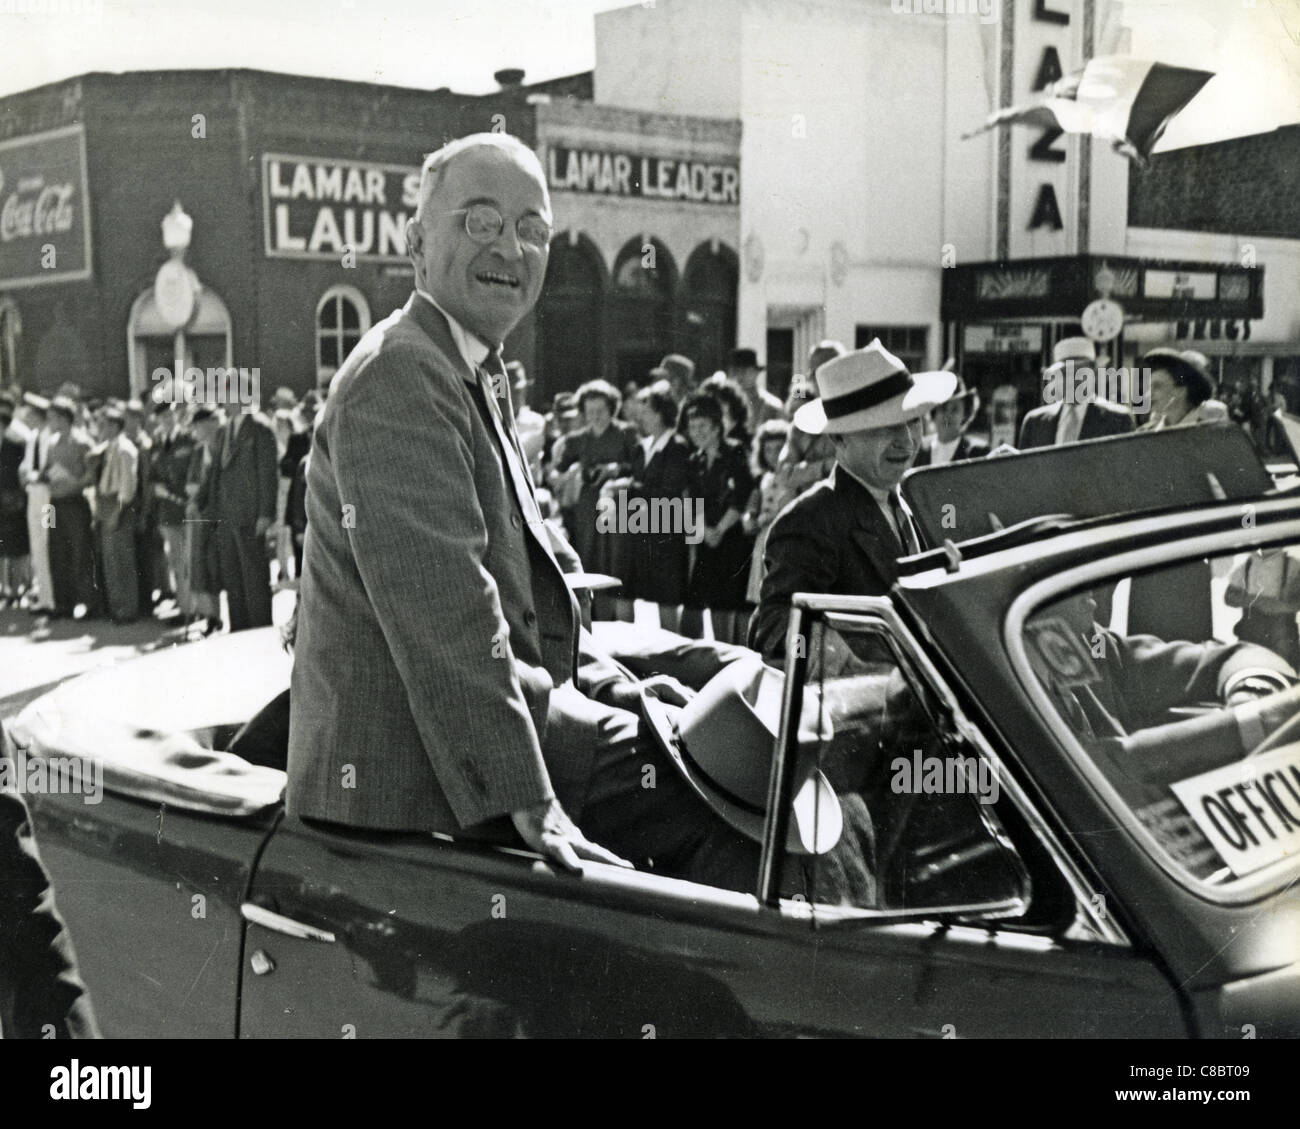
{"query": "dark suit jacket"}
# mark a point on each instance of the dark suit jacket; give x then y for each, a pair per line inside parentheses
(39, 984)
(833, 538)
(967, 448)
(434, 620)
(246, 481)
(1038, 428)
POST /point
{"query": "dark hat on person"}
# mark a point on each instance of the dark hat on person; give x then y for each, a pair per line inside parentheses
(200, 414)
(969, 396)
(1189, 368)
(722, 743)
(65, 406)
(744, 358)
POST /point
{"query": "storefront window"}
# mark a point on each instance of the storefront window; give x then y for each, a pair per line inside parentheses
(645, 287)
(709, 300)
(570, 318)
(342, 316)
(909, 343)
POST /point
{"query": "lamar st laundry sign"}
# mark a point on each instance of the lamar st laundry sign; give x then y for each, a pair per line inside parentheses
(654, 178)
(316, 208)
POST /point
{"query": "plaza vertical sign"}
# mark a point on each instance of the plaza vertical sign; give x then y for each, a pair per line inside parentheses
(1048, 43)
(44, 208)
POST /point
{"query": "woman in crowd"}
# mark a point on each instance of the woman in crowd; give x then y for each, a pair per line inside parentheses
(14, 544)
(653, 564)
(1180, 390)
(767, 499)
(603, 448)
(735, 408)
(721, 479)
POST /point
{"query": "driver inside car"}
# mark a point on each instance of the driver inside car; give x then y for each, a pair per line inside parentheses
(1157, 711)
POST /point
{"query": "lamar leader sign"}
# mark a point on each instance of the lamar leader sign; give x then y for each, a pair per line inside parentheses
(44, 224)
(653, 178)
(317, 208)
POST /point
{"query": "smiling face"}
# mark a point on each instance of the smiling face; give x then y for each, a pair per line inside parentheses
(881, 455)
(487, 287)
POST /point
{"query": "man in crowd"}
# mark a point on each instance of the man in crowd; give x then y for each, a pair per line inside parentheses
(149, 573)
(66, 470)
(173, 448)
(115, 495)
(433, 681)
(845, 535)
(745, 370)
(1072, 417)
(36, 408)
(244, 493)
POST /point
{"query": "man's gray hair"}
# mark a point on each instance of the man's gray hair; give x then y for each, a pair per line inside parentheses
(436, 163)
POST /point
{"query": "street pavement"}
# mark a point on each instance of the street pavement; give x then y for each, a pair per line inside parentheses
(38, 653)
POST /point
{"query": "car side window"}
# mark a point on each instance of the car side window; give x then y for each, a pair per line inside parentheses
(912, 801)
(1178, 685)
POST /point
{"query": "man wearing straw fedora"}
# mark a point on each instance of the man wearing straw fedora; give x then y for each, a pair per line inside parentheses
(1068, 421)
(845, 534)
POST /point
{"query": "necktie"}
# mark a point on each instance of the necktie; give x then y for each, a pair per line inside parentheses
(903, 520)
(1071, 423)
(511, 452)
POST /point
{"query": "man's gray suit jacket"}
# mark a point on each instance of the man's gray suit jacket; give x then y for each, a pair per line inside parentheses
(434, 620)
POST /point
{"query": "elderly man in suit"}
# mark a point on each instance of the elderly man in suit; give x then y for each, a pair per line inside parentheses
(244, 493)
(1069, 420)
(844, 536)
(433, 682)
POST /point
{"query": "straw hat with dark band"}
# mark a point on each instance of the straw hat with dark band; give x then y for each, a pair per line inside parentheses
(871, 388)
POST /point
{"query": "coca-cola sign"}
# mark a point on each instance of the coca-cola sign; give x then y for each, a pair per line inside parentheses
(44, 224)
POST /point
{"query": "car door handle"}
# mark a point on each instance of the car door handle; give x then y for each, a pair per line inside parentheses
(278, 923)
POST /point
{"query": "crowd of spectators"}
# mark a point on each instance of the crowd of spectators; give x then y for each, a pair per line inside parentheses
(119, 510)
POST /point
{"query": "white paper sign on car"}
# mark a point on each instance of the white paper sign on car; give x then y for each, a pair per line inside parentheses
(1249, 810)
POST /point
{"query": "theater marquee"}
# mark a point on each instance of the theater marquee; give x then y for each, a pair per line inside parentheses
(318, 208)
(608, 173)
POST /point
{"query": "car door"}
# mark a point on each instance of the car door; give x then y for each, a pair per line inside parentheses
(352, 934)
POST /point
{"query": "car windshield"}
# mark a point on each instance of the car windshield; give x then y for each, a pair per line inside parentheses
(1179, 687)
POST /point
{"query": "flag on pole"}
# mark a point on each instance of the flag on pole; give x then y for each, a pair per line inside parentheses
(1127, 102)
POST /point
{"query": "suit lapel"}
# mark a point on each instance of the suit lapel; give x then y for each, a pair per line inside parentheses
(870, 531)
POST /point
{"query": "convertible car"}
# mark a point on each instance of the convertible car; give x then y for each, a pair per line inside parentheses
(1076, 828)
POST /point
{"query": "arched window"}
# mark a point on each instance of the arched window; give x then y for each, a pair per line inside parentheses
(342, 316)
(11, 331)
(570, 319)
(709, 289)
(641, 322)
(151, 342)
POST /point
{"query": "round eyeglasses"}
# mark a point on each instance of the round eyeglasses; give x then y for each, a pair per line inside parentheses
(483, 224)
